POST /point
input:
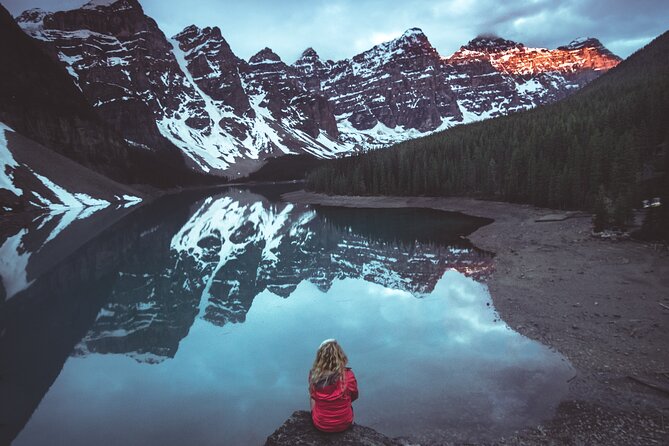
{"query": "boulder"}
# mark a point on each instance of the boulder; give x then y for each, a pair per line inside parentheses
(299, 431)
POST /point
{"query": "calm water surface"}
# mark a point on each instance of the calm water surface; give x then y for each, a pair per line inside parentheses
(195, 319)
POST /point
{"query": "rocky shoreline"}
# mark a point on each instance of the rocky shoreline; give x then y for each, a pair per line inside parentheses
(603, 304)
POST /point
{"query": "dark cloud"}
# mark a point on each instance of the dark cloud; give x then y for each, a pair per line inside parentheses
(494, 16)
(342, 28)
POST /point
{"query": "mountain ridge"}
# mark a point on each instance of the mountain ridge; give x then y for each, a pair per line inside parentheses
(265, 107)
(603, 149)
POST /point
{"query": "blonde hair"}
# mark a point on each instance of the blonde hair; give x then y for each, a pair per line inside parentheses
(330, 361)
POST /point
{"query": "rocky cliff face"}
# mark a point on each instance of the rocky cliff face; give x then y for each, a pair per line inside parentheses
(256, 109)
(227, 114)
(394, 88)
(494, 76)
(40, 100)
(191, 92)
(284, 97)
(125, 67)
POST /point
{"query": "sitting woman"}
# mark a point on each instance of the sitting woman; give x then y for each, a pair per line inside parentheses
(332, 387)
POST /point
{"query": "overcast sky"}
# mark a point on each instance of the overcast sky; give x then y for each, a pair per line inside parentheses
(339, 29)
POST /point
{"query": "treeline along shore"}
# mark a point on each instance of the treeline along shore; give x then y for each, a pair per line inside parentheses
(603, 149)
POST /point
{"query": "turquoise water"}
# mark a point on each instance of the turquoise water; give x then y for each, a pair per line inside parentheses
(194, 320)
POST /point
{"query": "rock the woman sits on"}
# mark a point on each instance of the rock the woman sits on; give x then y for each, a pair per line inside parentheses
(332, 388)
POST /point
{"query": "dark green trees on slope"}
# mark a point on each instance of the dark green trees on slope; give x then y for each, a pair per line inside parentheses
(603, 146)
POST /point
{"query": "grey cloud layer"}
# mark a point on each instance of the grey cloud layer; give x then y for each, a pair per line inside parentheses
(341, 28)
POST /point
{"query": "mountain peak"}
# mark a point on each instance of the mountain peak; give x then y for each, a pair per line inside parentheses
(115, 5)
(587, 42)
(490, 43)
(188, 31)
(412, 43)
(34, 15)
(309, 53)
(308, 57)
(310, 63)
(583, 42)
(413, 32)
(208, 40)
(414, 36)
(264, 55)
(194, 32)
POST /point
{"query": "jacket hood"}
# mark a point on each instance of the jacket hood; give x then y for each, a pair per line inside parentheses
(330, 392)
(329, 388)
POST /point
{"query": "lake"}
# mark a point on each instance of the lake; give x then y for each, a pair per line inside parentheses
(195, 319)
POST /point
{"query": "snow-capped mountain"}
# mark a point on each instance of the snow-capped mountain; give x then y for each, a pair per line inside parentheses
(125, 67)
(394, 91)
(157, 92)
(40, 101)
(255, 109)
(227, 115)
(493, 76)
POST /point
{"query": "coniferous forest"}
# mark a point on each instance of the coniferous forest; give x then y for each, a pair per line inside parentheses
(603, 149)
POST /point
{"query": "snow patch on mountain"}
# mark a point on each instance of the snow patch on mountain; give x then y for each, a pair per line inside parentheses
(472, 116)
(262, 134)
(375, 138)
(381, 136)
(95, 4)
(7, 163)
(63, 199)
(67, 199)
(14, 259)
(210, 148)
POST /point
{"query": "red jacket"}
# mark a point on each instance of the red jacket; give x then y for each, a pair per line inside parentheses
(332, 411)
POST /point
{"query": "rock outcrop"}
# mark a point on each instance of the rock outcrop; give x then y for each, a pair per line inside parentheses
(298, 430)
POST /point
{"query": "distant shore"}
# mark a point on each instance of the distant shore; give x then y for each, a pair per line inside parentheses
(602, 304)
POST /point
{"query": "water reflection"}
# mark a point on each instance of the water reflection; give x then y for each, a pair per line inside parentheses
(212, 309)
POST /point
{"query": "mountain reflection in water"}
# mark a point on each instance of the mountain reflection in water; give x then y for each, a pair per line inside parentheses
(203, 315)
